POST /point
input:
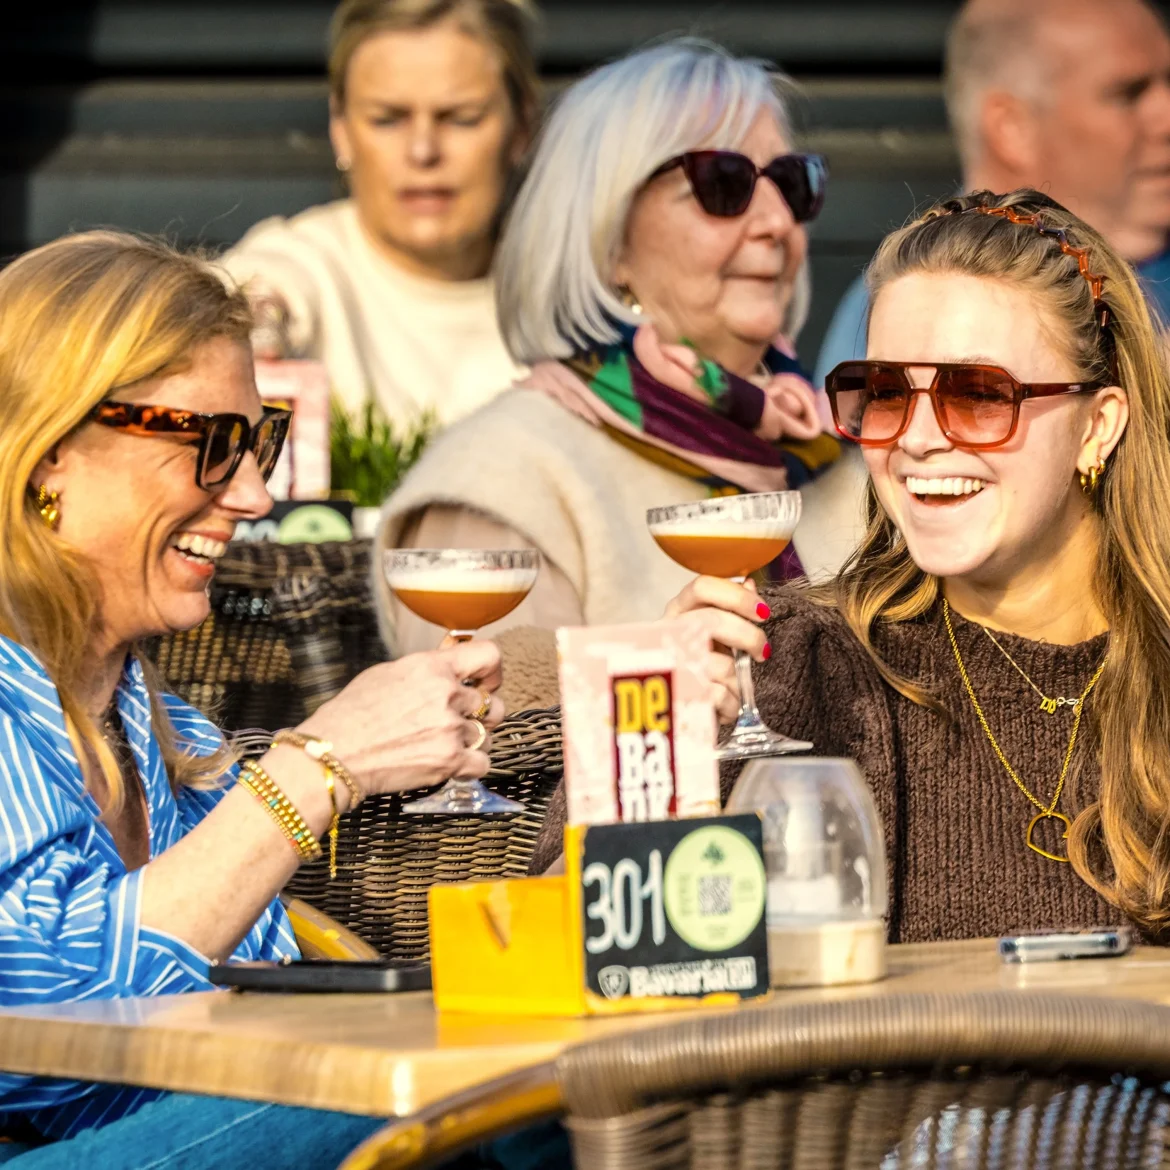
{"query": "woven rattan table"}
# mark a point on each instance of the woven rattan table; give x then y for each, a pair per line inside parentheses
(392, 1055)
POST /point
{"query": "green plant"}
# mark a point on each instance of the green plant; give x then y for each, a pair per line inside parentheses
(368, 458)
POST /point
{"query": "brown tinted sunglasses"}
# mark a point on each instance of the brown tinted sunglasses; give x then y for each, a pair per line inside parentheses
(224, 439)
(977, 407)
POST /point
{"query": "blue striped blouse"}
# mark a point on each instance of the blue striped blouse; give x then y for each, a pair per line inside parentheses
(69, 910)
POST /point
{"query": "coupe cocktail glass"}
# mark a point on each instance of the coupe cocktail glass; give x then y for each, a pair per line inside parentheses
(462, 590)
(732, 536)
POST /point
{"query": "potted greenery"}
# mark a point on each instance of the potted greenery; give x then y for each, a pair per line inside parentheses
(368, 458)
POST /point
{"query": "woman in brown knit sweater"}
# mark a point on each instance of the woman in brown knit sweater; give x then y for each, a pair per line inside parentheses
(996, 655)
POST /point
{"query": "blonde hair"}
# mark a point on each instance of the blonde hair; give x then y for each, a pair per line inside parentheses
(1119, 844)
(605, 138)
(81, 318)
(508, 26)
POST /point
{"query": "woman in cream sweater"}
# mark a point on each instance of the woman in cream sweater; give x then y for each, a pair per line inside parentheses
(431, 108)
(655, 315)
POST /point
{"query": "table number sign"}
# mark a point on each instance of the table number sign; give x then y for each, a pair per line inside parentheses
(674, 909)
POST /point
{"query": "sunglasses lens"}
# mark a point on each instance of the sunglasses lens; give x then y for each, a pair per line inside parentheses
(221, 453)
(869, 400)
(722, 181)
(801, 179)
(977, 404)
(268, 443)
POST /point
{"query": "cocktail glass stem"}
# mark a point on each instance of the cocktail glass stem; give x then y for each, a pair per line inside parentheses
(462, 795)
(751, 736)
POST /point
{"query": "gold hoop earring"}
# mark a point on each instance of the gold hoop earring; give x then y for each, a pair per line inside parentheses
(1092, 478)
(48, 507)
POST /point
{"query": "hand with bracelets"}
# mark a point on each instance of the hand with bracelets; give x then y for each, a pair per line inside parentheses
(399, 725)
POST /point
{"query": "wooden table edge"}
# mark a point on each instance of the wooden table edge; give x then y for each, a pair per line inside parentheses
(346, 1078)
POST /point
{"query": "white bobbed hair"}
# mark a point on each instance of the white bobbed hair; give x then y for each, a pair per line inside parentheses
(606, 136)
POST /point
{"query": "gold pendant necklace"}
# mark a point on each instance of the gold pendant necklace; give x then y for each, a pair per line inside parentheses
(1047, 811)
(1047, 705)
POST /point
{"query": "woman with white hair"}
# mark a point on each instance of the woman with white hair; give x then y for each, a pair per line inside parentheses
(653, 273)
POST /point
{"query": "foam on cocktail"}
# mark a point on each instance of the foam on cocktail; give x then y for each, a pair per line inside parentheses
(444, 579)
(723, 525)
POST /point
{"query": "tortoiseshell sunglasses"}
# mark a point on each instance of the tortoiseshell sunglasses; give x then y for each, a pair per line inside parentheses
(224, 439)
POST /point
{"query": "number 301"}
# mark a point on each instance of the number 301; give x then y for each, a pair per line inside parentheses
(618, 906)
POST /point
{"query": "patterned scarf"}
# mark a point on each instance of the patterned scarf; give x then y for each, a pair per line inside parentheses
(699, 420)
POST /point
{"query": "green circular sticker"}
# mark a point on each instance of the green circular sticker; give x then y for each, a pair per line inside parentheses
(715, 888)
(314, 522)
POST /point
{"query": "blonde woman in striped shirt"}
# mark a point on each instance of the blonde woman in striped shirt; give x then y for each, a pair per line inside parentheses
(132, 440)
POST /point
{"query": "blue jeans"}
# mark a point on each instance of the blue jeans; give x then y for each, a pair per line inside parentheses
(185, 1132)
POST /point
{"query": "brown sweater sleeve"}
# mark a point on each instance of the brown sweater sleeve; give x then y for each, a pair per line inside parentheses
(819, 685)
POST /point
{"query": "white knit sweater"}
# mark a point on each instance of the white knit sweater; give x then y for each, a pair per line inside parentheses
(580, 497)
(412, 344)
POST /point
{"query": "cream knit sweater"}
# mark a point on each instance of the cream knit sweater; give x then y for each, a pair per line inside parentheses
(566, 488)
(413, 345)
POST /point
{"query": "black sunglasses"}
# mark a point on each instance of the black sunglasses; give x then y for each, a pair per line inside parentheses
(224, 439)
(723, 181)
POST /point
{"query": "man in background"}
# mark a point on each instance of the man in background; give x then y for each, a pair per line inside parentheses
(1071, 97)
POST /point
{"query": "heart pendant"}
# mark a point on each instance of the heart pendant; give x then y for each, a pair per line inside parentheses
(1046, 816)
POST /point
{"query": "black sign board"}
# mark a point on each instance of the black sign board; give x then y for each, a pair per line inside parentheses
(675, 908)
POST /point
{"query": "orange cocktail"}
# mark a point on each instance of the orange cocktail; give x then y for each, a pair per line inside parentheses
(462, 590)
(733, 536)
(457, 605)
(733, 552)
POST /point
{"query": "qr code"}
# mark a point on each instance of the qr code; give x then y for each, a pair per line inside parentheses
(714, 894)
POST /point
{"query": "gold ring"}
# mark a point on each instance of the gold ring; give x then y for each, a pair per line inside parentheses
(481, 739)
(485, 706)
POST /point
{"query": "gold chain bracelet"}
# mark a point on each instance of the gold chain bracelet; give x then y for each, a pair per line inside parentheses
(321, 750)
(281, 809)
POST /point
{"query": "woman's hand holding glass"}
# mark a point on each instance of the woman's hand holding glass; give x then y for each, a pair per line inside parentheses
(731, 613)
(408, 724)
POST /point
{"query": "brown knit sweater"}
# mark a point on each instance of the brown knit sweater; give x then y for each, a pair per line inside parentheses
(954, 821)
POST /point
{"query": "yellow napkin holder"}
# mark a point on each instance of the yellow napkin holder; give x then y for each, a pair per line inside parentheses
(517, 947)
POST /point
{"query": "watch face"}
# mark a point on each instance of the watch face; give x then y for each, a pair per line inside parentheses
(715, 888)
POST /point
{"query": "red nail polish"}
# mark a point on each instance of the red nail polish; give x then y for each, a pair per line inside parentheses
(763, 610)
(767, 651)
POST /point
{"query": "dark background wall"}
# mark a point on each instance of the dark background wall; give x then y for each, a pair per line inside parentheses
(196, 117)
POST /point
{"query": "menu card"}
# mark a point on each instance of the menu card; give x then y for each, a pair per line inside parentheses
(638, 723)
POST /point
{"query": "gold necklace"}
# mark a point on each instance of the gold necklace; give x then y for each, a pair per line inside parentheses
(1047, 705)
(1047, 812)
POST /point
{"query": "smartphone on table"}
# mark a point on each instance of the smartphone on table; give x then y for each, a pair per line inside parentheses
(1047, 945)
(322, 975)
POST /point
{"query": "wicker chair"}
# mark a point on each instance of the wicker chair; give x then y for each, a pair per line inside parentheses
(290, 626)
(981, 1080)
(1009, 1080)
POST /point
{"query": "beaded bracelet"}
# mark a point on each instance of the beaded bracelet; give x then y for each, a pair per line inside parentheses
(281, 809)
